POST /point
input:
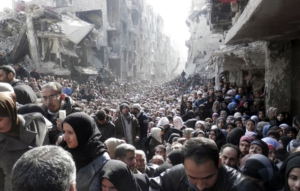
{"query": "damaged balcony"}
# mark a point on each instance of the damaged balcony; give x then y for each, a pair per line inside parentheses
(266, 20)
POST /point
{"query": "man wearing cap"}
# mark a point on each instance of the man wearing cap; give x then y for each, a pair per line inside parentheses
(24, 93)
(200, 100)
(127, 126)
(143, 122)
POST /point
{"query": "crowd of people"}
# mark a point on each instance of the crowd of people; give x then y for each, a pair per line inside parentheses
(178, 135)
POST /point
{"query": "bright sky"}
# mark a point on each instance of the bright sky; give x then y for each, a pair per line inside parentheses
(5, 3)
(174, 13)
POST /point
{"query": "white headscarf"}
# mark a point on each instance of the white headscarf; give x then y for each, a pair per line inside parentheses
(155, 132)
(180, 122)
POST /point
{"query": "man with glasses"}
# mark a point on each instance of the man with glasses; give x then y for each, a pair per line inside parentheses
(54, 100)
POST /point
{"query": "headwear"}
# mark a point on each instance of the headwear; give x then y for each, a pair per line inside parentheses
(284, 125)
(232, 106)
(155, 132)
(237, 115)
(246, 138)
(290, 129)
(260, 167)
(124, 104)
(111, 145)
(173, 135)
(163, 121)
(263, 146)
(88, 136)
(220, 138)
(238, 97)
(250, 134)
(291, 162)
(180, 122)
(215, 115)
(119, 174)
(265, 130)
(191, 123)
(137, 106)
(175, 157)
(270, 146)
(282, 153)
(260, 125)
(234, 136)
(247, 117)
(8, 109)
(198, 132)
(199, 92)
(295, 143)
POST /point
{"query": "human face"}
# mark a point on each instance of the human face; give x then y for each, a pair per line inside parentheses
(294, 179)
(240, 90)
(53, 103)
(141, 163)
(239, 124)
(229, 128)
(280, 117)
(202, 176)
(272, 154)
(255, 149)
(70, 136)
(261, 115)
(188, 105)
(244, 147)
(5, 124)
(246, 105)
(107, 185)
(221, 124)
(176, 123)
(4, 77)
(212, 136)
(130, 160)
(250, 126)
(211, 92)
(125, 110)
(157, 162)
(291, 134)
(230, 157)
(216, 106)
(160, 152)
(244, 121)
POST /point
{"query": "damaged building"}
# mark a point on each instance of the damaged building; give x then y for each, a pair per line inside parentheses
(258, 47)
(61, 37)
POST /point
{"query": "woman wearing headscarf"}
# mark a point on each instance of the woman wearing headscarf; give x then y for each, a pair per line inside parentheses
(215, 108)
(202, 113)
(229, 127)
(232, 108)
(155, 140)
(250, 125)
(116, 175)
(199, 133)
(282, 153)
(18, 134)
(178, 123)
(223, 114)
(111, 145)
(290, 173)
(221, 122)
(259, 168)
(291, 132)
(218, 137)
(200, 125)
(244, 144)
(234, 136)
(259, 147)
(245, 108)
(278, 120)
(83, 142)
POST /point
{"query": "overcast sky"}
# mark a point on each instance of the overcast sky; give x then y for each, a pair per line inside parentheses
(5, 3)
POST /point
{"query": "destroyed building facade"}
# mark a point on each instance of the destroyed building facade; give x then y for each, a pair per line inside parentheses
(125, 36)
(261, 47)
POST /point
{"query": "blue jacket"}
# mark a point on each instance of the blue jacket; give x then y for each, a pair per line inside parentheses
(143, 122)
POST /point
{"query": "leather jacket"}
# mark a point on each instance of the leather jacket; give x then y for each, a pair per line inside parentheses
(175, 179)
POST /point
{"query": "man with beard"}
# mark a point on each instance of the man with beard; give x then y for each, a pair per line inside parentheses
(24, 93)
(54, 100)
(202, 170)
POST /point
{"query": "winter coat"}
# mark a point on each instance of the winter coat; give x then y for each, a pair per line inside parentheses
(143, 122)
(153, 143)
(175, 179)
(108, 130)
(87, 179)
(33, 133)
(22, 72)
(24, 93)
(135, 129)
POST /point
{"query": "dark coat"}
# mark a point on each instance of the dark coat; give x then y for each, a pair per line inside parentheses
(33, 133)
(135, 129)
(24, 93)
(35, 74)
(228, 179)
(143, 181)
(143, 122)
(22, 72)
(107, 130)
(153, 143)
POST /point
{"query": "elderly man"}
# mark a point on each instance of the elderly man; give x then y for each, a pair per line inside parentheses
(126, 154)
(44, 168)
(230, 155)
(24, 93)
(202, 170)
(141, 165)
(127, 126)
(55, 100)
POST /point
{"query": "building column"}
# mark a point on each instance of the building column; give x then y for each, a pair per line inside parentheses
(278, 78)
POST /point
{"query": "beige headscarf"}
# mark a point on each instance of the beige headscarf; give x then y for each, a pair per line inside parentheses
(111, 145)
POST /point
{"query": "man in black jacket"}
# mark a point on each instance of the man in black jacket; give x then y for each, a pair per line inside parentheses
(202, 170)
(25, 94)
(143, 122)
(106, 127)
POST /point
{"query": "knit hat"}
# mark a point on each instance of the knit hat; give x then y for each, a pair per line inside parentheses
(124, 104)
(137, 106)
(246, 138)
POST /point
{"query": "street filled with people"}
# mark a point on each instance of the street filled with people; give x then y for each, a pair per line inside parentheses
(107, 134)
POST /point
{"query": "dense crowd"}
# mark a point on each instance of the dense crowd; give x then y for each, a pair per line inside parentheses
(111, 135)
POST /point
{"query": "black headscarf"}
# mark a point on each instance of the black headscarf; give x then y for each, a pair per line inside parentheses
(198, 132)
(260, 167)
(119, 174)
(8, 109)
(234, 136)
(88, 136)
(173, 135)
(282, 153)
(175, 157)
(291, 162)
(263, 146)
(220, 138)
(288, 129)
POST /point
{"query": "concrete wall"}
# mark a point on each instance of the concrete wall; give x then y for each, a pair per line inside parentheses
(295, 108)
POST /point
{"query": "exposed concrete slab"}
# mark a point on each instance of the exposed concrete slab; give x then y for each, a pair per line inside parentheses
(266, 20)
